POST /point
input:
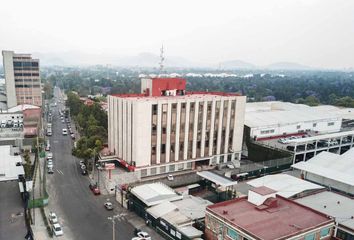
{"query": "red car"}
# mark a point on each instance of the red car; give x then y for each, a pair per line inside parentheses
(95, 189)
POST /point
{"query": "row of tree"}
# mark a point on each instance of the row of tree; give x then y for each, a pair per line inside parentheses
(92, 125)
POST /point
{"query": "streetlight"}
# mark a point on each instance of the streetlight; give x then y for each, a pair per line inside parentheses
(113, 219)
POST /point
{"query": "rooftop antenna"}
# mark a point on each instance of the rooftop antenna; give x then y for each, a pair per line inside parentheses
(162, 58)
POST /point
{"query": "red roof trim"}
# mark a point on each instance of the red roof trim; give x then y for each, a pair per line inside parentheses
(132, 95)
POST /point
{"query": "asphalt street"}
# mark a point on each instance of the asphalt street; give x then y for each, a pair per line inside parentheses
(81, 214)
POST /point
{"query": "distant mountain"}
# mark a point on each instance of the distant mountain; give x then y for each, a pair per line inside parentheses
(287, 66)
(80, 58)
(237, 64)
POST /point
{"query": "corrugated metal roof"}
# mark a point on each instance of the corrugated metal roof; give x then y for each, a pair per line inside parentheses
(284, 184)
(217, 179)
(286, 117)
(332, 166)
(155, 193)
(332, 204)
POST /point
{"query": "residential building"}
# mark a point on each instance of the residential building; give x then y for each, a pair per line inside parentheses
(267, 216)
(22, 80)
(339, 207)
(331, 170)
(166, 129)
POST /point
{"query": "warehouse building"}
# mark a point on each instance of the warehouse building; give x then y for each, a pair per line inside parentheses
(339, 207)
(167, 129)
(331, 170)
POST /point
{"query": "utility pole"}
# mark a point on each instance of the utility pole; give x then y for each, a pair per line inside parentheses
(113, 219)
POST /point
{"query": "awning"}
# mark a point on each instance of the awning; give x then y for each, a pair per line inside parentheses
(217, 179)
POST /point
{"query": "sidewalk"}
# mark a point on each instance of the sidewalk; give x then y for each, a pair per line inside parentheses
(139, 222)
(39, 227)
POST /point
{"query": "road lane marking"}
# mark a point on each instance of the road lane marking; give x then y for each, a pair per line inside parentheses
(60, 172)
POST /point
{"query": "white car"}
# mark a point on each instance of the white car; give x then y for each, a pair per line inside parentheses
(170, 177)
(57, 230)
(65, 131)
(49, 155)
(53, 218)
(50, 164)
(144, 235)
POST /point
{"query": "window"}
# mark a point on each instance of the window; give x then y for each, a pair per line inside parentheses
(172, 168)
(180, 166)
(189, 165)
(314, 124)
(298, 126)
(310, 237)
(144, 172)
(330, 123)
(324, 232)
(163, 169)
(232, 234)
(267, 131)
(152, 171)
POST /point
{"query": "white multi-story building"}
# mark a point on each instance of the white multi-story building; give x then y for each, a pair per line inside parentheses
(166, 129)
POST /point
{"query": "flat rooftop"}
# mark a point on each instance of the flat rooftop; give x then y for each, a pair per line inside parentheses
(188, 95)
(284, 184)
(283, 117)
(332, 204)
(154, 193)
(330, 165)
(286, 219)
(8, 168)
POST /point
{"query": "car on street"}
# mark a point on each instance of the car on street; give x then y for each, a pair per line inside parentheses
(53, 218)
(50, 163)
(57, 230)
(144, 235)
(170, 177)
(49, 155)
(137, 238)
(94, 188)
(65, 131)
(83, 171)
(108, 205)
(50, 170)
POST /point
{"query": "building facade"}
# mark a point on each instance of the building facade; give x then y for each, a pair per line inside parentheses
(22, 80)
(166, 129)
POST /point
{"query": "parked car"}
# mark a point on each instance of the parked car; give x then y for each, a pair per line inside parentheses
(49, 155)
(144, 235)
(170, 177)
(57, 230)
(50, 170)
(94, 188)
(83, 171)
(53, 218)
(50, 163)
(108, 205)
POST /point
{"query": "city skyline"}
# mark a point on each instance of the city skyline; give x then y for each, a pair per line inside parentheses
(314, 33)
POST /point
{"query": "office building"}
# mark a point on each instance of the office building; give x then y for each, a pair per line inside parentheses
(22, 80)
(166, 129)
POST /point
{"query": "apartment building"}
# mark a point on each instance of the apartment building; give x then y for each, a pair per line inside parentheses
(166, 129)
(22, 80)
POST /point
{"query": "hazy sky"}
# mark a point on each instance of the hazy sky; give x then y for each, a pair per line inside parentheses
(318, 33)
